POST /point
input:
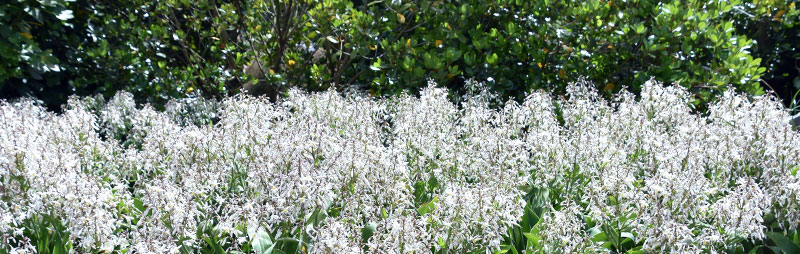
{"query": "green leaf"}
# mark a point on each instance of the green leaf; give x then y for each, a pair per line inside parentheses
(431, 61)
(419, 72)
(376, 66)
(597, 235)
(636, 251)
(138, 204)
(214, 245)
(755, 249)
(491, 59)
(428, 207)
(532, 237)
(262, 243)
(367, 232)
(505, 248)
(59, 249)
(407, 63)
(783, 243)
(639, 28)
(469, 59)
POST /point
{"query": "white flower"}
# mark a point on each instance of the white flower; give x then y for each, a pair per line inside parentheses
(120, 175)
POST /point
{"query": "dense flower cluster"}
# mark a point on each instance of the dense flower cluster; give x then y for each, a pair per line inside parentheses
(349, 174)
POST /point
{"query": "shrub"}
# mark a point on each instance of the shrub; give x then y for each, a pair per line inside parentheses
(156, 50)
(775, 28)
(327, 173)
(517, 46)
(166, 49)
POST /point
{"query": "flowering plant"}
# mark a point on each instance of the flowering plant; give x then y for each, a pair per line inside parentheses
(331, 173)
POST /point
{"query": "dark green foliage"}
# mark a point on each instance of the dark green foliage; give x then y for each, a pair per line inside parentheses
(46, 233)
(520, 45)
(167, 49)
(36, 38)
(776, 28)
(155, 49)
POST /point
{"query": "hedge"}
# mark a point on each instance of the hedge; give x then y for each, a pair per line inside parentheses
(159, 50)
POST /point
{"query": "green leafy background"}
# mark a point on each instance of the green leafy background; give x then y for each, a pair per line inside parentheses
(173, 48)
